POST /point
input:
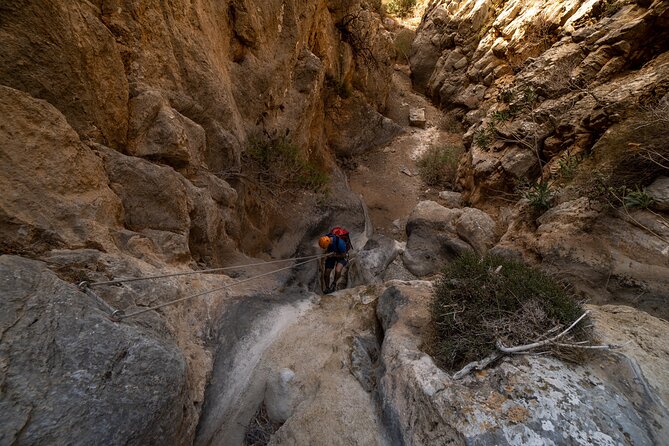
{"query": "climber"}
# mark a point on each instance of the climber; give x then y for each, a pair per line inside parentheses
(336, 243)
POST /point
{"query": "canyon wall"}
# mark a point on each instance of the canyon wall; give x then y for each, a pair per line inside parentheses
(565, 109)
(123, 152)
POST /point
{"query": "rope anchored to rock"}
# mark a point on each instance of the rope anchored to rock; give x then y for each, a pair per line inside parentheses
(119, 315)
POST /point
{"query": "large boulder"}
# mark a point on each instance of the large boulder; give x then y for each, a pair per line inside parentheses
(522, 400)
(370, 263)
(437, 235)
(55, 189)
(71, 375)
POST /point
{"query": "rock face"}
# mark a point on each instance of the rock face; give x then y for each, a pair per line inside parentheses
(571, 95)
(50, 200)
(533, 400)
(123, 133)
(189, 86)
(609, 258)
(69, 372)
(538, 81)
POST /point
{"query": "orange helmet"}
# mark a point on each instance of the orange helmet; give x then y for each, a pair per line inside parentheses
(324, 242)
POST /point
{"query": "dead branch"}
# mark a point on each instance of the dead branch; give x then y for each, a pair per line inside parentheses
(521, 348)
(477, 365)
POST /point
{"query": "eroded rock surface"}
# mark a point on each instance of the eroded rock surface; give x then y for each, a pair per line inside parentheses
(437, 235)
(520, 401)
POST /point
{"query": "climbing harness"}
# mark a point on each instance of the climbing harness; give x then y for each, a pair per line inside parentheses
(119, 315)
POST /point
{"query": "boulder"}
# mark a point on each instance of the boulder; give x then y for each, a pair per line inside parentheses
(437, 235)
(451, 199)
(522, 400)
(158, 132)
(476, 228)
(279, 395)
(432, 238)
(55, 189)
(353, 127)
(417, 117)
(370, 263)
(659, 192)
(68, 372)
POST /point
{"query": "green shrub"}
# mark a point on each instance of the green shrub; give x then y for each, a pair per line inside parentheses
(439, 164)
(477, 303)
(401, 8)
(567, 167)
(280, 164)
(638, 198)
(540, 196)
(482, 139)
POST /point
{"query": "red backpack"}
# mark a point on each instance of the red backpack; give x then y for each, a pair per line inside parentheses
(342, 234)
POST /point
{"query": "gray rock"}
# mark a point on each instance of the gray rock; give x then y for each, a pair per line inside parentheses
(417, 117)
(659, 192)
(72, 376)
(537, 400)
(280, 395)
(370, 263)
(434, 239)
(476, 228)
(364, 360)
(451, 199)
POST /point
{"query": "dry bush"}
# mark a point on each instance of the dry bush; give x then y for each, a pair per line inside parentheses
(260, 429)
(439, 164)
(477, 303)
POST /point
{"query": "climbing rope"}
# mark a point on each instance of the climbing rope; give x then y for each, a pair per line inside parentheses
(189, 273)
(119, 315)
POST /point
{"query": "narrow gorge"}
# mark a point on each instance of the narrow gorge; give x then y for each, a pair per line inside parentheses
(168, 167)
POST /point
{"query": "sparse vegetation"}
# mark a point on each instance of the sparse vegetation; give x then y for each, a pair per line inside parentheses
(280, 165)
(439, 164)
(567, 166)
(401, 8)
(480, 301)
(539, 195)
(260, 429)
(638, 198)
(403, 40)
(482, 138)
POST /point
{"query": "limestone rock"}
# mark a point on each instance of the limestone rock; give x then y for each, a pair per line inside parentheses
(451, 199)
(279, 395)
(353, 127)
(158, 132)
(476, 228)
(371, 262)
(69, 372)
(521, 400)
(437, 235)
(78, 69)
(417, 117)
(55, 191)
(432, 238)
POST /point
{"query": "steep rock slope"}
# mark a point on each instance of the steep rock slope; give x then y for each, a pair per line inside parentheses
(125, 126)
(570, 97)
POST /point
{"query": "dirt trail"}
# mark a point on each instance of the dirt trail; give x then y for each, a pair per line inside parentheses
(380, 175)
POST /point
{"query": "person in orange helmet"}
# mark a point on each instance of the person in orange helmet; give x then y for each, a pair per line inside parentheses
(337, 248)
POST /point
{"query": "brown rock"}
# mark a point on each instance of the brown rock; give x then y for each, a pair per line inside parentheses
(55, 189)
(63, 53)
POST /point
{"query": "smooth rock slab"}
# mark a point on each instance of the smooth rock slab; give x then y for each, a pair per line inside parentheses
(72, 376)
